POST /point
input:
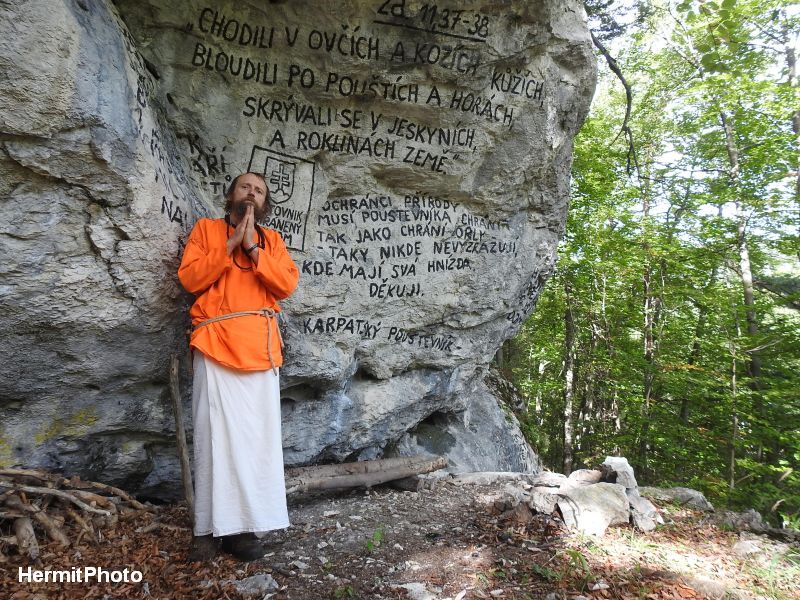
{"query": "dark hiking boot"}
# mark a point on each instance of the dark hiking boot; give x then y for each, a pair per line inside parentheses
(244, 546)
(204, 547)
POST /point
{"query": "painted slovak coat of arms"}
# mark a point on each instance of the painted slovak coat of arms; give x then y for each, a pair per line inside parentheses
(280, 179)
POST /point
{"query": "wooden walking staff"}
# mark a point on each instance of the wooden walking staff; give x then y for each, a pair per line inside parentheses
(183, 451)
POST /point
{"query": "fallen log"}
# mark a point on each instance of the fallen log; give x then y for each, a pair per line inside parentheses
(159, 525)
(362, 466)
(81, 484)
(26, 538)
(63, 509)
(50, 526)
(362, 473)
(95, 500)
(11, 514)
(785, 535)
(85, 527)
(53, 492)
(32, 474)
(16, 503)
(56, 480)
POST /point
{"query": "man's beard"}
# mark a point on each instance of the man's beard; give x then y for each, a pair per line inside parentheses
(238, 209)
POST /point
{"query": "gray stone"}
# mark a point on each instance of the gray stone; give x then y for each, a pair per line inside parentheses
(713, 590)
(486, 477)
(615, 469)
(425, 221)
(87, 261)
(255, 585)
(745, 548)
(592, 508)
(418, 591)
(644, 514)
(543, 499)
(415, 483)
(508, 498)
(749, 520)
(585, 476)
(515, 493)
(548, 479)
(681, 495)
(492, 503)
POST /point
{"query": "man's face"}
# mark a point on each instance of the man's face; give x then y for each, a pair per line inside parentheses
(249, 189)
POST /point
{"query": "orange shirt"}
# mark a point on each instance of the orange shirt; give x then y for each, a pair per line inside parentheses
(223, 287)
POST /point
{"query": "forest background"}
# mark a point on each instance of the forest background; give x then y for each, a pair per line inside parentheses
(669, 332)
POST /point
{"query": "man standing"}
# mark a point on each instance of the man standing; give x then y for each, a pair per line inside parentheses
(238, 271)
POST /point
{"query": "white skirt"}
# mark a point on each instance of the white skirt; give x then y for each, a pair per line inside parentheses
(238, 455)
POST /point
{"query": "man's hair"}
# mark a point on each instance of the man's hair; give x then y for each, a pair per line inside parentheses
(232, 186)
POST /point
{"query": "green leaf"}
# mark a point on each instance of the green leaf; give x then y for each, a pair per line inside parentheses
(709, 62)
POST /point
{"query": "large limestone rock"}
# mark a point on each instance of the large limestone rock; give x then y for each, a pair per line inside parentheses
(90, 307)
(616, 469)
(681, 495)
(592, 508)
(644, 514)
(418, 157)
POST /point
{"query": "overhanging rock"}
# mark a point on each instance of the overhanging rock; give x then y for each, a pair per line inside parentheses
(419, 159)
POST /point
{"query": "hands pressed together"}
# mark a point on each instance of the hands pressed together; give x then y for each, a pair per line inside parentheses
(243, 235)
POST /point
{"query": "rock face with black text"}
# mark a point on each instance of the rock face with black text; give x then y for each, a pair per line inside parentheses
(418, 156)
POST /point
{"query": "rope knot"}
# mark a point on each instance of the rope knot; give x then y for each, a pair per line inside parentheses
(266, 312)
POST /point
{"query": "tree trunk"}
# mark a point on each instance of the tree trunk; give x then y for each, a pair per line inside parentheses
(792, 81)
(734, 413)
(672, 227)
(698, 332)
(754, 368)
(746, 274)
(693, 356)
(754, 360)
(650, 308)
(538, 406)
(615, 414)
(569, 369)
(611, 411)
(587, 416)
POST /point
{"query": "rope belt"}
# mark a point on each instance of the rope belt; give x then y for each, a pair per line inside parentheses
(267, 313)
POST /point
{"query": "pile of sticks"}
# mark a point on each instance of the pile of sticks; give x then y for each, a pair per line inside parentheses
(65, 510)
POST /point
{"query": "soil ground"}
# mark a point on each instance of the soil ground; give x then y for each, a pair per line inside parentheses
(445, 542)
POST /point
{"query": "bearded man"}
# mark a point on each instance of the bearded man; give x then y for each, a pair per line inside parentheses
(238, 271)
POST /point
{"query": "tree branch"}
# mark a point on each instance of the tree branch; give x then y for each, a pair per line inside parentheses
(626, 130)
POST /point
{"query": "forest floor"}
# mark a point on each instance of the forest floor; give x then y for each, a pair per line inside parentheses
(438, 543)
